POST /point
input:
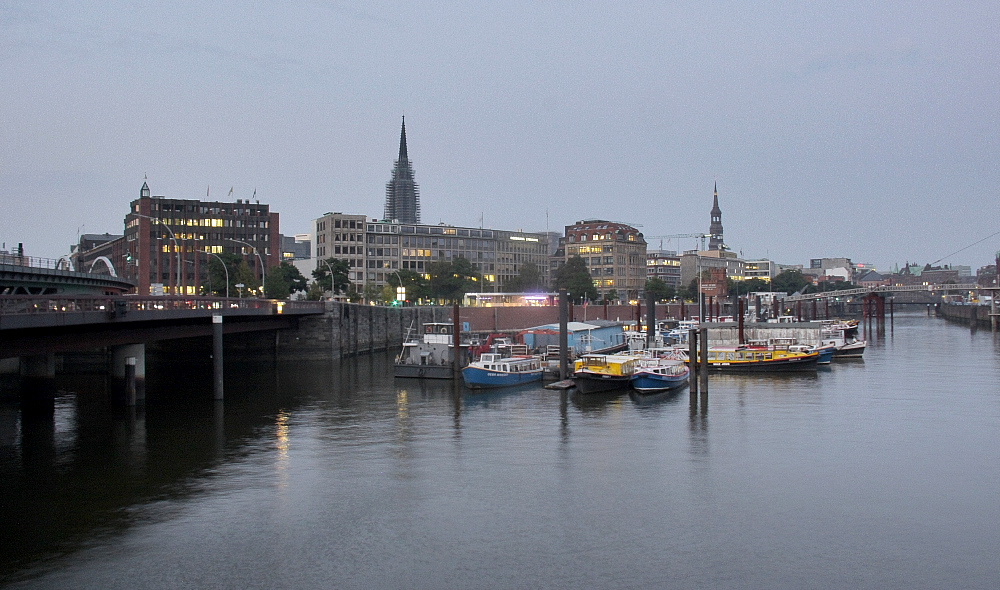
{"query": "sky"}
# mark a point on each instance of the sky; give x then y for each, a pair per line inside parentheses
(861, 129)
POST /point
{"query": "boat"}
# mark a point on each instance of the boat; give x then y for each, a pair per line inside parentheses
(655, 374)
(843, 337)
(431, 356)
(757, 359)
(594, 373)
(825, 350)
(495, 370)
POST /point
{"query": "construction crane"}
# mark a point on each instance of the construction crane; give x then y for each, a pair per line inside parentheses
(696, 236)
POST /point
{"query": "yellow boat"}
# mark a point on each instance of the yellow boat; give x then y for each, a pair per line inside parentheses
(753, 359)
(603, 372)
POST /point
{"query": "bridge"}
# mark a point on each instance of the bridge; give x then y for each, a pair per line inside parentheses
(882, 289)
(33, 328)
(30, 275)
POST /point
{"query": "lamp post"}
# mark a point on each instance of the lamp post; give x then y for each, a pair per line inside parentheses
(240, 287)
(224, 267)
(176, 249)
(400, 289)
(330, 268)
(263, 275)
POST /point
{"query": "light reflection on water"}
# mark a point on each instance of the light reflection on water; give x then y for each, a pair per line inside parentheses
(881, 473)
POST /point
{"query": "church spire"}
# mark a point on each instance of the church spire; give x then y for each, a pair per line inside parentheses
(715, 229)
(402, 142)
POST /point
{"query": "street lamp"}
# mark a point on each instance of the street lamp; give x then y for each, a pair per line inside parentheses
(176, 249)
(240, 287)
(263, 276)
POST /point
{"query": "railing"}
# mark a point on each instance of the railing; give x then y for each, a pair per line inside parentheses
(884, 289)
(34, 262)
(36, 304)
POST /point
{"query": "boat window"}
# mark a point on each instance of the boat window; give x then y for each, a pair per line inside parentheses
(730, 356)
(759, 356)
(712, 356)
(767, 356)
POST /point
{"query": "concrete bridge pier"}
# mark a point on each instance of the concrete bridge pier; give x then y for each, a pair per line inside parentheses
(38, 384)
(128, 373)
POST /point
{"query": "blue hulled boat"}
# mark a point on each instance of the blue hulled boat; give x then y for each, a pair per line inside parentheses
(659, 376)
(493, 370)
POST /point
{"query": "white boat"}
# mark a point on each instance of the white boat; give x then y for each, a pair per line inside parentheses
(430, 356)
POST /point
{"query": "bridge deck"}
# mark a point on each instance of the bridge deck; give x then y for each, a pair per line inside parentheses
(41, 311)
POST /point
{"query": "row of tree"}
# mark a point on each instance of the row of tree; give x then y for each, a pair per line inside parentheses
(450, 281)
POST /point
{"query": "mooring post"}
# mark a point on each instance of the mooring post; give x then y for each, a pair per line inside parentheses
(456, 344)
(703, 364)
(650, 318)
(563, 336)
(693, 360)
(742, 339)
(217, 355)
(993, 310)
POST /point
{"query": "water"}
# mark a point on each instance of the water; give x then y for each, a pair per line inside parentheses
(876, 474)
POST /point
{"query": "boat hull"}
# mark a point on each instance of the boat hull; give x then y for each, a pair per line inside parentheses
(423, 371)
(848, 351)
(596, 383)
(652, 383)
(477, 378)
(772, 366)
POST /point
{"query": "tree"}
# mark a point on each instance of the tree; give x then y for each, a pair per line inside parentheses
(660, 290)
(217, 274)
(575, 278)
(372, 293)
(691, 293)
(528, 280)
(789, 281)
(283, 280)
(748, 286)
(452, 280)
(414, 283)
(245, 275)
(611, 296)
(339, 282)
(315, 292)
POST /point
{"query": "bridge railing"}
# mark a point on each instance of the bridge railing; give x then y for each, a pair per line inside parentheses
(36, 304)
(35, 262)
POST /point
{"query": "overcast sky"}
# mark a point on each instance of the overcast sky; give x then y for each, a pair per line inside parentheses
(860, 129)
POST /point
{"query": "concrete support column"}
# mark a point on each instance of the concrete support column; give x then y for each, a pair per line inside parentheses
(38, 383)
(217, 357)
(128, 388)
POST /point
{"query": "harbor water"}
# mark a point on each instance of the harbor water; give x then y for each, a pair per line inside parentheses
(883, 473)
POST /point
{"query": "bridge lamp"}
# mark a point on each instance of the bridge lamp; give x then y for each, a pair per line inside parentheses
(400, 293)
(240, 287)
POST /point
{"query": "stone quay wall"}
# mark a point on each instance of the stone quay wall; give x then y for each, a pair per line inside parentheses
(966, 314)
(349, 329)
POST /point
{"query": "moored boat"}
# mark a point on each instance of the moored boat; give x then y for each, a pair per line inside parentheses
(599, 372)
(743, 359)
(494, 370)
(432, 356)
(655, 375)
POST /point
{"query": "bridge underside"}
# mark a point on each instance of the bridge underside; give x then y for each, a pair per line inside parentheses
(35, 341)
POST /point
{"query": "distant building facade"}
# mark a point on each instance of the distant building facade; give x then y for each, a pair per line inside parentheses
(158, 228)
(614, 252)
(375, 249)
(664, 265)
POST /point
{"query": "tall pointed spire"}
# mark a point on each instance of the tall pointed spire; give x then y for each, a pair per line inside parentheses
(402, 141)
(402, 196)
(715, 229)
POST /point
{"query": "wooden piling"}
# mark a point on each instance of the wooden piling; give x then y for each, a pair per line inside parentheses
(563, 336)
(703, 361)
(693, 360)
